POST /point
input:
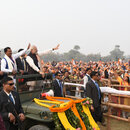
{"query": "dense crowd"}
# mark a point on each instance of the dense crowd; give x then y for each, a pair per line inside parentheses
(119, 70)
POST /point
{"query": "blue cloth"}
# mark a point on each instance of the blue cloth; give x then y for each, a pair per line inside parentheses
(53, 75)
(11, 98)
(61, 87)
(99, 95)
(7, 67)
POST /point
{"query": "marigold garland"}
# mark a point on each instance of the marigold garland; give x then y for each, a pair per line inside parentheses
(64, 120)
(92, 121)
(74, 109)
(60, 109)
(41, 104)
(83, 116)
(60, 98)
(46, 101)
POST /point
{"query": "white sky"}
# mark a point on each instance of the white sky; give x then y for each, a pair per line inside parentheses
(95, 25)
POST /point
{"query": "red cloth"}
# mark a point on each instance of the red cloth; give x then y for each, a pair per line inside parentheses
(20, 80)
(44, 94)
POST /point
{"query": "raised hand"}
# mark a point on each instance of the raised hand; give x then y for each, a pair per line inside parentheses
(56, 48)
(29, 45)
(42, 62)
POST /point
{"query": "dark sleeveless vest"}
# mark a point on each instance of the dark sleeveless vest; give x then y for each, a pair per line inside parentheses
(30, 69)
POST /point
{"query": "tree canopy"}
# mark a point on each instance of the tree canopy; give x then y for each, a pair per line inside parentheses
(77, 55)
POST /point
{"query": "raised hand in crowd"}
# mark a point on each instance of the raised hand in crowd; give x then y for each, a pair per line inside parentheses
(42, 62)
(56, 48)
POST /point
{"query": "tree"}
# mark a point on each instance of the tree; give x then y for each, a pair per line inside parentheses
(51, 57)
(116, 53)
(93, 57)
(76, 47)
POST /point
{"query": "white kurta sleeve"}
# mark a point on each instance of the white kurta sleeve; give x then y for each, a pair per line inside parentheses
(15, 56)
(31, 63)
(45, 52)
(85, 80)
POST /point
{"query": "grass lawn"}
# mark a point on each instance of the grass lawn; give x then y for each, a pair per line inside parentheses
(116, 125)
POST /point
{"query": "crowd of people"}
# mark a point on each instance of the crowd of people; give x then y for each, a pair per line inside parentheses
(28, 61)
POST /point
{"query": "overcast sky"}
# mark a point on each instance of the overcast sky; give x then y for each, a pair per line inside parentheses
(95, 25)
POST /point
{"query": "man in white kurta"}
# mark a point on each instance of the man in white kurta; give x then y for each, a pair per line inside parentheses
(8, 63)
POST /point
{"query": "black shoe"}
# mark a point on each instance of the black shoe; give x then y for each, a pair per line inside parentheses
(103, 123)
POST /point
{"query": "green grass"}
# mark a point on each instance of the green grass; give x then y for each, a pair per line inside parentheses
(116, 125)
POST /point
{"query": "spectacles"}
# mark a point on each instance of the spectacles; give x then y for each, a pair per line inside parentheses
(10, 84)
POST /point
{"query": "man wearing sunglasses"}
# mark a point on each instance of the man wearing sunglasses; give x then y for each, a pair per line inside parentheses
(58, 85)
(93, 91)
(10, 106)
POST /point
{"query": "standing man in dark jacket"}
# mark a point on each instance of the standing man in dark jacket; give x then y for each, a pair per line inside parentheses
(21, 63)
(93, 91)
(58, 85)
(10, 106)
